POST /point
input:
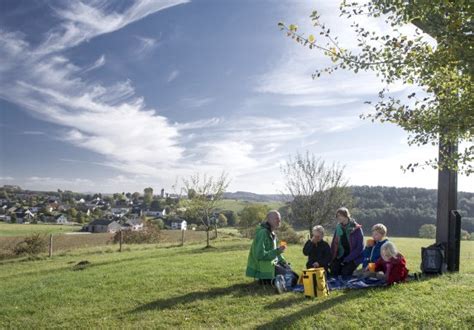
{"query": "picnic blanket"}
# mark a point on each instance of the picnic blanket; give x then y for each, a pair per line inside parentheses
(351, 282)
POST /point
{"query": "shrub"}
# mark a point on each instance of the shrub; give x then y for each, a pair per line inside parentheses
(427, 231)
(465, 235)
(160, 223)
(287, 233)
(149, 234)
(31, 245)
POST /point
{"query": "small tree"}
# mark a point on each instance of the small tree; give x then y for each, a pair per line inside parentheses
(427, 231)
(208, 192)
(317, 189)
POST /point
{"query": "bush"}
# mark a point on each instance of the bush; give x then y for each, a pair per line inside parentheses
(160, 223)
(149, 234)
(287, 233)
(427, 231)
(465, 235)
(31, 245)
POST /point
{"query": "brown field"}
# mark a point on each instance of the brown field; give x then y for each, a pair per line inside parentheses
(69, 242)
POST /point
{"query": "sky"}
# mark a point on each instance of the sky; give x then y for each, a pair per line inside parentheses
(116, 96)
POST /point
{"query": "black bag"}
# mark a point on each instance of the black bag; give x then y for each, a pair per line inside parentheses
(433, 260)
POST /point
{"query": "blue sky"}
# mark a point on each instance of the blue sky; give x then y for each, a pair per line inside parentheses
(119, 95)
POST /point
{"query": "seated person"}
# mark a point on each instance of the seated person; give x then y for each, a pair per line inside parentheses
(317, 250)
(391, 267)
(371, 252)
(265, 261)
(347, 244)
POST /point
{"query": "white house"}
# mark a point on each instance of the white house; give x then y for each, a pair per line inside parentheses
(179, 225)
(61, 219)
(134, 224)
(103, 226)
(120, 211)
(149, 213)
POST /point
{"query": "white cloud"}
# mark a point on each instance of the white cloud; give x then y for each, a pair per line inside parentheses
(146, 45)
(33, 133)
(6, 178)
(97, 64)
(82, 22)
(173, 75)
(193, 102)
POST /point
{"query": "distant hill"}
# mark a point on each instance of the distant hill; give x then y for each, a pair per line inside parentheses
(252, 197)
(403, 210)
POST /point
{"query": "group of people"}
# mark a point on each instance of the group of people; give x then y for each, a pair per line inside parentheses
(379, 257)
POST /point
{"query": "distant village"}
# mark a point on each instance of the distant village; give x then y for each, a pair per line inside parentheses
(96, 213)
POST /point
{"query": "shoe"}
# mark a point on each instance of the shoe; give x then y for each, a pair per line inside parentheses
(280, 284)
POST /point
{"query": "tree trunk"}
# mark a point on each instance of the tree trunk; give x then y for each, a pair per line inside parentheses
(207, 233)
(215, 229)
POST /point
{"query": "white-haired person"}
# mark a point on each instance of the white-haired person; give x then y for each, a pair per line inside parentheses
(392, 265)
(317, 250)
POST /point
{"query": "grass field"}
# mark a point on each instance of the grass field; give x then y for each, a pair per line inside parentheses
(188, 287)
(15, 229)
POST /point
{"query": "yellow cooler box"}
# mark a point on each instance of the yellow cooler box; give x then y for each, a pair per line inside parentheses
(314, 282)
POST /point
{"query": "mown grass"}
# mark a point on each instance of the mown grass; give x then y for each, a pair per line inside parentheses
(16, 229)
(189, 287)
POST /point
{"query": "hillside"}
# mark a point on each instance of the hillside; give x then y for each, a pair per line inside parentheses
(150, 287)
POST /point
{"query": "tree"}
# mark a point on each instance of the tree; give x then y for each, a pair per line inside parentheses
(232, 219)
(209, 191)
(443, 112)
(72, 212)
(191, 194)
(156, 205)
(135, 195)
(222, 220)
(427, 231)
(317, 190)
(148, 196)
(250, 217)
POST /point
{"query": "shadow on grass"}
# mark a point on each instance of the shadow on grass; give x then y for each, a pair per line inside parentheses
(236, 290)
(321, 304)
(287, 302)
(225, 248)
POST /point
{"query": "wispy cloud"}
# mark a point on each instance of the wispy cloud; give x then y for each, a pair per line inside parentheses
(192, 102)
(173, 75)
(83, 21)
(97, 64)
(146, 45)
(33, 133)
(6, 178)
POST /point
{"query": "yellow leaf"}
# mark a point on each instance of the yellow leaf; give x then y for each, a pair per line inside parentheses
(311, 38)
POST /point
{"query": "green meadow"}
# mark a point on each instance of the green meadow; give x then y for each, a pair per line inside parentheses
(168, 286)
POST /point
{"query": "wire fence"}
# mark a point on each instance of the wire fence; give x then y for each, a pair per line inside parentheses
(62, 242)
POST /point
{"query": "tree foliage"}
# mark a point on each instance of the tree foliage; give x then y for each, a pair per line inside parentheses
(443, 113)
(250, 217)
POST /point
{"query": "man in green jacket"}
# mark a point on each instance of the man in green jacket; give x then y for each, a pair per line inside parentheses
(266, 262)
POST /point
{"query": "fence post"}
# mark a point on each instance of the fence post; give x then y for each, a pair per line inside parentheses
(121, 240)
(50, 245)
(182, 237)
